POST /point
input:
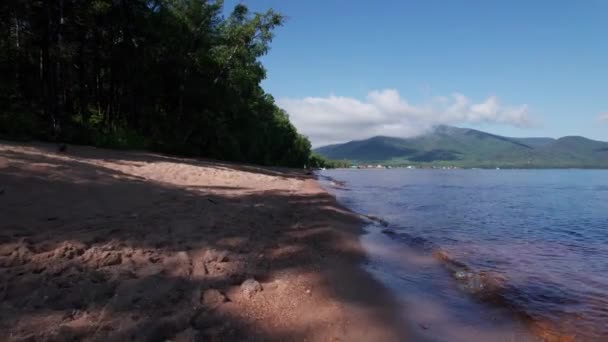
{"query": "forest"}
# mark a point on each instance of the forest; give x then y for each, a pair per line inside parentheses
(174, 76)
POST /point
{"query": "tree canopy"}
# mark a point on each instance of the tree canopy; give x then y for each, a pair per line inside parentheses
(170, 75)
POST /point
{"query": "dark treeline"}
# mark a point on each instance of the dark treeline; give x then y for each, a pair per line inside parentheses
(171, 75)
(318, 161)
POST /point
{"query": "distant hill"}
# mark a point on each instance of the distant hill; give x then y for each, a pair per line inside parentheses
(448, 145)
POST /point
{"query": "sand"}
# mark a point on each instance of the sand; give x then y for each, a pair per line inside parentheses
(110, 245)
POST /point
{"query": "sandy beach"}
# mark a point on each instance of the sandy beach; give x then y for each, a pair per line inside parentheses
(110, 245)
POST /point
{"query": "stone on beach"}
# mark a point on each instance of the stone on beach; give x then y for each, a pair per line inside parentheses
(250, 287)
(111, 259)
(213, 255)
(212, 298)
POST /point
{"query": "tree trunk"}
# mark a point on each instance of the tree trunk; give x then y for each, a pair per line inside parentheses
(83, 105)
(17, 58)
(60, 86)
(47, 74)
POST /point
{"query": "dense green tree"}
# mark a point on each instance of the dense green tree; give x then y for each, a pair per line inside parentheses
(318, 161)
(172, 75)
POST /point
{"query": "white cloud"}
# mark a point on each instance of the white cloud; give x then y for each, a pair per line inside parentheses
(334, 119)
(603, 117)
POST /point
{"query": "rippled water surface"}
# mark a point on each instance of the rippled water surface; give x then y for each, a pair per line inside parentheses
(543, 233)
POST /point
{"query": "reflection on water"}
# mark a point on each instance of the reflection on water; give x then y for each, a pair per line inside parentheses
(535, 242)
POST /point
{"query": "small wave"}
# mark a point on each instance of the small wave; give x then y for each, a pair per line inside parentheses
(410, 240)
(334, 183)
(446, 186)
(375, 219)
(485, 284)
(428, 207)
(488, 286)
(493, 288)
(339, 185)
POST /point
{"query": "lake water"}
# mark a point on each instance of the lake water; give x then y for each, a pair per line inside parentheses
(484, 253)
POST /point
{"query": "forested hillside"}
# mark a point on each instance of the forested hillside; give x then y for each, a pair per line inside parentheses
(170, 75)
(453, 146)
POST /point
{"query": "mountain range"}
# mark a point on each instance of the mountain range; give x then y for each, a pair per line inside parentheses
(464, 147)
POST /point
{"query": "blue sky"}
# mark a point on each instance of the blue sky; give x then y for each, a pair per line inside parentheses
(349, 69)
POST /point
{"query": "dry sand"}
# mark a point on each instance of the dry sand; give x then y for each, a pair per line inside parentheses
(108, 245)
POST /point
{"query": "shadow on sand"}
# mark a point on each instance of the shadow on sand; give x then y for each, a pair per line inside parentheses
(90, 252)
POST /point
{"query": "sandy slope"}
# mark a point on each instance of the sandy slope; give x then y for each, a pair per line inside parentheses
(107, 245)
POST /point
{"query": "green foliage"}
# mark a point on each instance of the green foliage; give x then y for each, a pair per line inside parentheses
(170, 75)
(318, 161)
(121, 138)
(18, 125)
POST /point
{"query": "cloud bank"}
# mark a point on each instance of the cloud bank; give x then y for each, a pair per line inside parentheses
(334, 119)
(603, 117)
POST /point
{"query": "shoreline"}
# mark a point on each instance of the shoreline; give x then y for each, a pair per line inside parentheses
(102, 244)
(414, 274)
(399, 264)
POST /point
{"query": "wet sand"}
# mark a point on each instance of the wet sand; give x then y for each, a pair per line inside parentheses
(110, 245)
